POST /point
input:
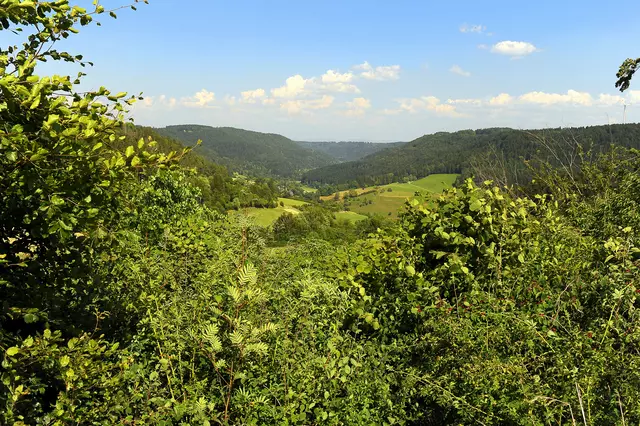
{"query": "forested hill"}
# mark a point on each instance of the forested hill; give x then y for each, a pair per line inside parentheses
(244, 151)
(456, 152)
(349, 151)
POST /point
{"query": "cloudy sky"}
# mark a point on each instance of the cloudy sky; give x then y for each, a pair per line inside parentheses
(369, 70)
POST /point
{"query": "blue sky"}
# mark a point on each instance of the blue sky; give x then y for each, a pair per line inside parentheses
(368, 70)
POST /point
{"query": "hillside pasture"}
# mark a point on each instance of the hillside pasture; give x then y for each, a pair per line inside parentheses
(388, 199)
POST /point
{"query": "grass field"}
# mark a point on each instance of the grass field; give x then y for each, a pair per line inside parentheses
(265, 217)
(306, 188)
(379, 200)
(350, 216)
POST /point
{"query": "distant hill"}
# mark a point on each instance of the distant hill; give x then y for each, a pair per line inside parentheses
(456, 152)
(254, 153)
(349, 151)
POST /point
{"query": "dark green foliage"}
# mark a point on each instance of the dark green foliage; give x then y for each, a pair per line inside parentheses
(247, 152)
(626, 73)
(349, 151)
(486, 153)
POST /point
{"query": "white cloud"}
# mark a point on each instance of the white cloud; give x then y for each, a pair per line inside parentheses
(359, 103)
(357, 106)
(464, 28)
(332, 76)
(157, 101)
(389, 72)
(609, 100)
(572, 97)
(303, 105)
(456, 69)
(464, 101)
(251, 96)
(501, 99)
(230, 100)
(428, 103)
(293, 87)
(202, 99)
(633, 96)
(483, 46)
(515, 49)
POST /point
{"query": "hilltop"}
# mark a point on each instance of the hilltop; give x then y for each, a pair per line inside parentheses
(466, 152)
(245, 151)
(349, 151)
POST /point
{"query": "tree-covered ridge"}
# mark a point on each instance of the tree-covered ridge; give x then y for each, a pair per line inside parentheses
(248, 152)
(468, 152)
(349, 151)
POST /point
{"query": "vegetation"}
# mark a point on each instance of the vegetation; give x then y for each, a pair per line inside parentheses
(470, 153)
(348, 151)
(126, 300)
(246, 152)
(387, 200)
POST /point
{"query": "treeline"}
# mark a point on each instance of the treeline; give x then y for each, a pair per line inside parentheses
(248, 152)
(219, 190)
(349, 151)
(470, 152)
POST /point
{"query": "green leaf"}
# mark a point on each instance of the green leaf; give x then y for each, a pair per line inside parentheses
(30, 318)
(129, 151)
(135, 161)
(64, 361)
(35, 103)
(12, 351)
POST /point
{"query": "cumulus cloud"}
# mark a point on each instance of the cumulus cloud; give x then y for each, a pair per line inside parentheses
(456, 69)
(332, 76)
(156, 101)
(469, 101)
(515, 49)
(202, 99)
(294, 86)
(465, 28)
(304, 105)
(381, 73)
(252, 96)
(501, 99)
(357, 106)
(608, 100)
(571, 97)
(428, 103)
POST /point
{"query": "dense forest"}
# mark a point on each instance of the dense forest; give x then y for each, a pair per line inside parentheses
(248, 152)
(127, 299)
(349, 151)
(475, 152)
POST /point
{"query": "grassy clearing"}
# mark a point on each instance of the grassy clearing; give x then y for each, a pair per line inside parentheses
(388, 199)
(288, 202)
(306, 188)
(265, 217)
(350, 216)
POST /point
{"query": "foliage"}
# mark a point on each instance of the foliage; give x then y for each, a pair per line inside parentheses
(252, 153)
(126, 300)
(348, 151)
(626, 72)
(501, 312)
(466, 152)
